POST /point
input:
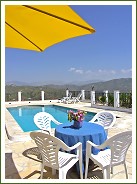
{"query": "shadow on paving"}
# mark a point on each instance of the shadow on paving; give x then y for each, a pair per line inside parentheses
(11, 171)
(94, 172)
(33, 153)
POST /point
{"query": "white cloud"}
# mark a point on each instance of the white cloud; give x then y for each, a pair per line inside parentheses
(88, 72)
(126, 71)
(101, 74)
(100, 70)
(71, 69)
(105, 71)
(79, 71)
(113, 72)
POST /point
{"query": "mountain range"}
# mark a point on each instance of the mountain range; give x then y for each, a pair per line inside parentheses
(78, 83)
(122, 84)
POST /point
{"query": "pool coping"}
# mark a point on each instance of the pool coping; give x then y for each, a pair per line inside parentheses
(14, 131)
(25, 166)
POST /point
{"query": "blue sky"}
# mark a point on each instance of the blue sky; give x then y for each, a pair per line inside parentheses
(103, 55)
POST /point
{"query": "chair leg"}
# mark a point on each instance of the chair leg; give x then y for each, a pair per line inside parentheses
(42, 168)
(106, 173)
(53, 171)
(80, 168)
(126, 170)
(62, 174)
(86, 167)
(111, 170)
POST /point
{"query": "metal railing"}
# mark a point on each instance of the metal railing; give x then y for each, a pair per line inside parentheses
(35, 95)
(126, 100)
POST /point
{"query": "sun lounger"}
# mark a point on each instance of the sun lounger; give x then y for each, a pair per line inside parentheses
(66, 98)
(75, 99)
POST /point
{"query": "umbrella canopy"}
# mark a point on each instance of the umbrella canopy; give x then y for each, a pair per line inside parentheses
(40, 26)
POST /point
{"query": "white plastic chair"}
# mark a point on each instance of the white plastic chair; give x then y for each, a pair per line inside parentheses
(43, 121)
(105, 118)
(49, 147)
(113, 156)
(75, 99)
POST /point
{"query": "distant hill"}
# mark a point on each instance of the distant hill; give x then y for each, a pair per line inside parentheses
(17, 83)
(55, 83)
(122, 84)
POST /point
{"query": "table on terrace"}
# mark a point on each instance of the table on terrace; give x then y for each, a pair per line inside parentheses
(89, 131)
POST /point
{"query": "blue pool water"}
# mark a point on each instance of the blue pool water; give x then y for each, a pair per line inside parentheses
(24, 115)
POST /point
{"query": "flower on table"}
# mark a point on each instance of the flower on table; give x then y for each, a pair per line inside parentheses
(76, 116)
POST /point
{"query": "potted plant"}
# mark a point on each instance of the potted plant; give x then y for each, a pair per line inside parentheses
(78, 117)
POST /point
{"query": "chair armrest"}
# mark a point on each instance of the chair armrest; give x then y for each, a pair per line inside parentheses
(66, 98)
(56, 122)
(93, 119)
(89, 144)
(45, 131)
(76, 146)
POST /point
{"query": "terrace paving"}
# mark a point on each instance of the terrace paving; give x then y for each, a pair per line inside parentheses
(22, 162)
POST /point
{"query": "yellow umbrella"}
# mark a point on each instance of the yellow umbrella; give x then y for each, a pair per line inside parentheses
(40, 26)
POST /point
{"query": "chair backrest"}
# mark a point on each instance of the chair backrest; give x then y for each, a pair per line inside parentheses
(104, 118)
(119, 145)
(70, 95)
(43, 120)
(79, 95)
(49, 147)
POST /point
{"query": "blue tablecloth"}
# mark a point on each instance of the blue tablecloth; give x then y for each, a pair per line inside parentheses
(89, 131)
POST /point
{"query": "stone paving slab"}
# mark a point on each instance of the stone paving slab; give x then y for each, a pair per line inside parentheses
(22, 163)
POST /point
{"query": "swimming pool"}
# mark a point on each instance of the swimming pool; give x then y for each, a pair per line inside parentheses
(24, 115)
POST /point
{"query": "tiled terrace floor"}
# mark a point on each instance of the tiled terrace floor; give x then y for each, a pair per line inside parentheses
(21, 163)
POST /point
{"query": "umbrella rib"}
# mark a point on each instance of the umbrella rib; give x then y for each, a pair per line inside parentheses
(55, 16)
(24, 36)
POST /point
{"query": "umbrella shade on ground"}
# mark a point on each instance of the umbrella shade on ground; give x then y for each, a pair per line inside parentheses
(38, 27)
